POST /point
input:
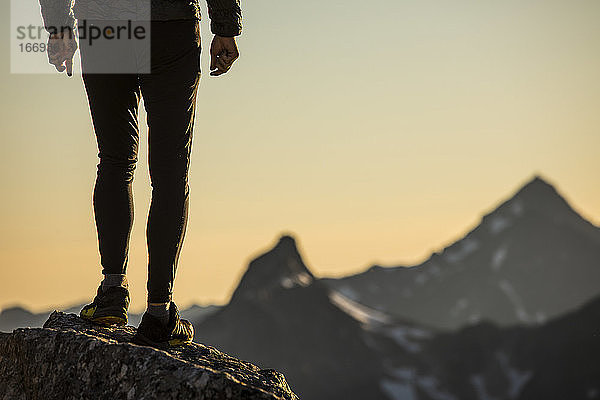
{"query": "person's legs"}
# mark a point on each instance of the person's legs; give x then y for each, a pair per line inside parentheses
(169, 93)
(113, 101)
(170, 99)
(113, 97)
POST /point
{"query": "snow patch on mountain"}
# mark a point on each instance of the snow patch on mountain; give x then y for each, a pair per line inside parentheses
(479, 384)
(540, 317)
(474, 318)
(498, 224)
(300, 279)
(460, 306)
(516, 379)
(430, 385)
(515, 299)
(369, 317)
(461, 250)
(498, 257)
(349, 292)
(517, 208)
(398, 390)
(408, 380)
(408, 337)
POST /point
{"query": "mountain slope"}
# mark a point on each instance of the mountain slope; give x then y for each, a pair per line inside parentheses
(330, 347)
(281, 317)
(555, 360)
(530, 259)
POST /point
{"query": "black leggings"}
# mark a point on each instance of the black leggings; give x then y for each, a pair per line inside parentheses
(169, 93)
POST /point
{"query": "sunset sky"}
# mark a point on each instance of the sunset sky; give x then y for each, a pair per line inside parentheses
(374, 132)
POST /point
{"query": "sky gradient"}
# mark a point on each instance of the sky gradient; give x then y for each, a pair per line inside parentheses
(373, 133)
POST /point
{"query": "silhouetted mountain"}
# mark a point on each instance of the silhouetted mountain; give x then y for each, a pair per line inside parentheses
(15, 317)
(515, 290)
(554, 361)
(330, 347)
(281, 267)
(281, 317)
(530, 259)
(563, 356)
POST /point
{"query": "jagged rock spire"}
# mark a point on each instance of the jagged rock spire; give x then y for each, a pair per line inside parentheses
(280, 268)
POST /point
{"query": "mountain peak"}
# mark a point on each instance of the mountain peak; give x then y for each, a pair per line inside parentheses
(537, 200)
(537, 196)
(539, 188)
(286, 243)
(280, 267)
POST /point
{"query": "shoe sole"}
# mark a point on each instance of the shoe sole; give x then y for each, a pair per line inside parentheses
(109, 321)
(104, 320)
(144, 341)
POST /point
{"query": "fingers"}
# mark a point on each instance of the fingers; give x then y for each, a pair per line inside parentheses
(69, 66)
(213, 61)
(221, 67)
(60, 53)
(218, 66)
(56, 59)
(222, 62)
(61, 64)
(223, 54)
(55, 54)
(229, 58)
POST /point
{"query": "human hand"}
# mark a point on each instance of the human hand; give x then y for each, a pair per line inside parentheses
(61, 49)
(223, 52)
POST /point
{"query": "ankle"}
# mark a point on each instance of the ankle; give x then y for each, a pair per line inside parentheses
(160, 311)
(114, 280)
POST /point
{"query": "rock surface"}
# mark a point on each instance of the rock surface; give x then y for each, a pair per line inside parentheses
(72, 359)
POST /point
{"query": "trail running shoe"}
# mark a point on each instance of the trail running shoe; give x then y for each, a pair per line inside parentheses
(109, 307)
(152, 332)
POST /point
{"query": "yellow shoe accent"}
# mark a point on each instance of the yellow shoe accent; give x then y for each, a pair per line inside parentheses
(110, 320)
(106, 320)
(89, 313)
(178, 342)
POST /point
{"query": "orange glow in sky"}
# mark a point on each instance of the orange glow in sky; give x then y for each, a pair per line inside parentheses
(373, 133)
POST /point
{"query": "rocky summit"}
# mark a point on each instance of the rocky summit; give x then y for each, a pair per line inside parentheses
(70, 358)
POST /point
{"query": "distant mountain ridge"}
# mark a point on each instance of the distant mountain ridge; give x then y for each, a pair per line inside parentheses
(509, 312)
(556, 360)
(331, 347)
(530, 259)
(15, 317)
